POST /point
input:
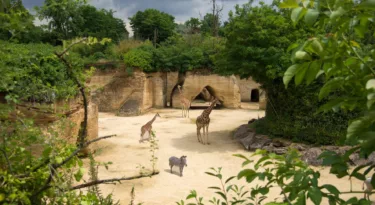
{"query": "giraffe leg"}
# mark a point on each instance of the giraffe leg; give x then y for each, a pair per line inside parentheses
(204, 135)
(207, 134)
(198, 133)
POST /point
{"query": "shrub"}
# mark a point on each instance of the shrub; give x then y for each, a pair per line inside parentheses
(141, 57)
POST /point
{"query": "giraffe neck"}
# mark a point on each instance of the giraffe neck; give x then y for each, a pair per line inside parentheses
(207, 111)
(153, 119)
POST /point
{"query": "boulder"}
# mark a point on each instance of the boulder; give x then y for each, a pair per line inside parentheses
(259, 141)
(246, 141)
(242, 132)
(311, 155)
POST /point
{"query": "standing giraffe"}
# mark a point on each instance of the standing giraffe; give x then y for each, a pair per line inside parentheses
(147, 128)
(185, 103)
(203, 121)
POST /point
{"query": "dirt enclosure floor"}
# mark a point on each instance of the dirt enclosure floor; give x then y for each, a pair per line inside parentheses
(177, 137)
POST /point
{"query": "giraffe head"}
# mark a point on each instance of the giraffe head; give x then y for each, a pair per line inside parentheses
(157, 115)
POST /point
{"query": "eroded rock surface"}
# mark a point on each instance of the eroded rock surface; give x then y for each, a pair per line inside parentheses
(251, 141)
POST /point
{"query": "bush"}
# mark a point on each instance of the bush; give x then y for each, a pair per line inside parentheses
(141, 57)
(33, 72)
(125, 46)
(291, 114)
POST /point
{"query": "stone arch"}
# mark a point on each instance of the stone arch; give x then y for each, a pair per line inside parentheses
(254, 95)
(206, 94)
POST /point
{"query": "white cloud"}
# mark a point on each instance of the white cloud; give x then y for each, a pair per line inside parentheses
(182, 10)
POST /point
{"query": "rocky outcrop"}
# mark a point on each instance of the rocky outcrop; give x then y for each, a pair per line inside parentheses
(125, 93)
(252, 141)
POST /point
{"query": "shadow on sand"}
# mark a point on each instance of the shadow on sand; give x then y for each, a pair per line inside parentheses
(177, 173)
(220, 141)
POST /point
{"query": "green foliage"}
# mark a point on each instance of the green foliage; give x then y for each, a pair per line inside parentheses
(141, 57)
(63, 16)
(343, 58)
(32, 72)
(176, 54)
(17, 23)
(297, 182)
(100, 24)
(149, 22)
(193, 25)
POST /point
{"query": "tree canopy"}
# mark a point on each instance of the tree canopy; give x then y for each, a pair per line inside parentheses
(151, 24)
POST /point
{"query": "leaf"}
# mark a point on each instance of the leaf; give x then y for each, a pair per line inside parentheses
(315, 195)
(222, 195)
(367, 4)
(311, 16)
(330, 86)
(289, 74)
(338, 13)
(192, 194)
(302, 55)
(373, 180)
(316, 46)
(332, 189)
(370, 84)
(241, 156)
(292, 46)
(297, 13)
(58, 160)
(359, 176)
(245, 173)
(229, 179)
(288, 4)
(209, 173)
(355, 44)
(214, 187)
(229, 187)
(79, 174)
(311, 72)
(300, 74)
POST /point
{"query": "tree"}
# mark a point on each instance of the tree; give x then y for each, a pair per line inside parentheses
(193, 25)
(63, 16)
(257, 42)
(16, 22)
(152, 24)
(207, 26)
(100, 24)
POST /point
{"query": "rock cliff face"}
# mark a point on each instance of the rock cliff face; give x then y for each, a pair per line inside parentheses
(134, 93)
(65, 117)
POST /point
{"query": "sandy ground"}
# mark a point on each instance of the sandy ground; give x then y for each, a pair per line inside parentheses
(177, 136)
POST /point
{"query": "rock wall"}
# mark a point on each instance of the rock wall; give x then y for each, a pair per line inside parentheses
(133, 94)
(246, 86)
(65, 117)
(225, 88)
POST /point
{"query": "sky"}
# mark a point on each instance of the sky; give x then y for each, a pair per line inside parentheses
(182, 10)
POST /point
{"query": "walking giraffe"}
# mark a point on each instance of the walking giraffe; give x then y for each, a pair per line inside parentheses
(185, 103)
(147, 128)
(203, 121)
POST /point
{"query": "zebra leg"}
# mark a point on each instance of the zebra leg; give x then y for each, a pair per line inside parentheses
(171, 167)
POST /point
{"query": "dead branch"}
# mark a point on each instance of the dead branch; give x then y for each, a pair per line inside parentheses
(92, 183)
(79, 149)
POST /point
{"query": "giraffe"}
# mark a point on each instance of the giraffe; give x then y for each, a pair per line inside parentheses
(147, 128)
(203, 121)
(185, 103)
